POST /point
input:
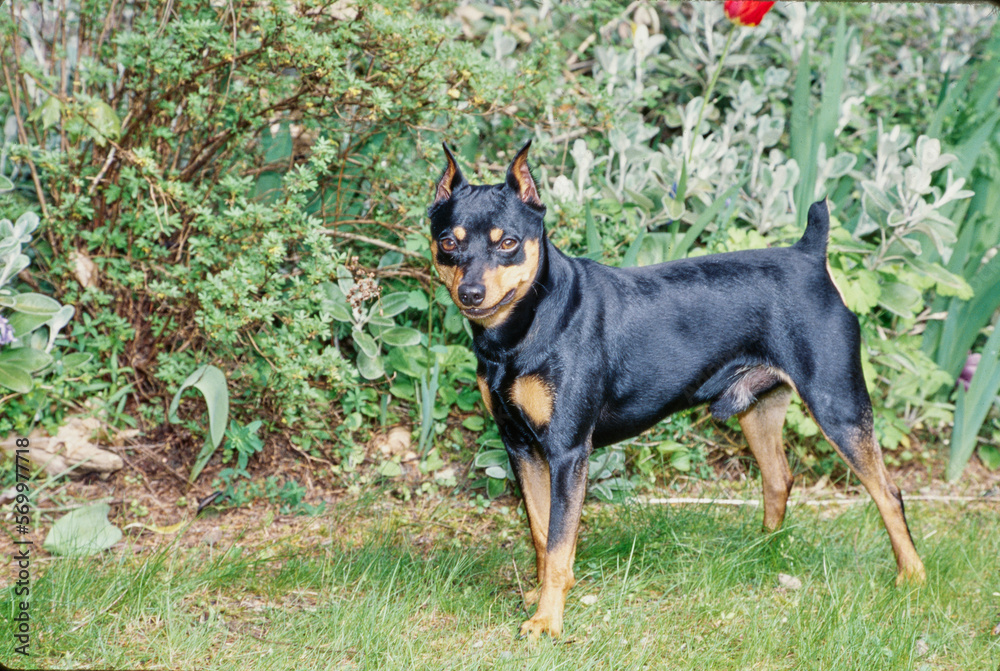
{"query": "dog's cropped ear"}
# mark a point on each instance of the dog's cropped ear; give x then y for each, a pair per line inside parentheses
(450, 180)
(519, 178)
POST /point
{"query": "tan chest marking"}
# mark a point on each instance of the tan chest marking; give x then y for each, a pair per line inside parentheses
(534, 397)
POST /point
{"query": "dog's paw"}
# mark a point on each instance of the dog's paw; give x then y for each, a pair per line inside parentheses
(541, 624)
(532, 595)
(911, 576)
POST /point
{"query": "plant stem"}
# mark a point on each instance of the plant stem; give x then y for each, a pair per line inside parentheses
(708, 93)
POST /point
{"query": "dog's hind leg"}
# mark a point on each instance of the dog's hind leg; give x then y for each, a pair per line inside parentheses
(762, 424)
(841, 407)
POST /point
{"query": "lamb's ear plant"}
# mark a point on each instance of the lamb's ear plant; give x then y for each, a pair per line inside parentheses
(25, 347)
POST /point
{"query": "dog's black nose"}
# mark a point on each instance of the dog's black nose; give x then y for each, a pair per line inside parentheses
(471, 295)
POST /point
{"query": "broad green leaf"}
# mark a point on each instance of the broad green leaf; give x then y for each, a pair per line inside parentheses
(28, 359)
(50, 112)
(393, 304)
(32, 304)
(104, 121)
(947, 283)
(496, 472)
(401, 336)
(26, 225)
(5, 184)
(370, 368)
(365, 342)
(82, 532)
(15, 378)
(24, 323)
(495, 487)
(491, 458)
(900, 299)
(442, 296)
(861, 293)
(12, 268)
(473, 423)
(345, 280)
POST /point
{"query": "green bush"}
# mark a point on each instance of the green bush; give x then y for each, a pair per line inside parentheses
(212, 163)
(251, 180)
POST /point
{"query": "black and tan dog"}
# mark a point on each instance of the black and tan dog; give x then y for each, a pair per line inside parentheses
(575, 355)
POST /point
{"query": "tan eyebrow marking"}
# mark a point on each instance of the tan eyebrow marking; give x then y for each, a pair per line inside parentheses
(459, 232)
(496, 234)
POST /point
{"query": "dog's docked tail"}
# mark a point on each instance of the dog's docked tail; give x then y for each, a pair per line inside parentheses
(817, 233)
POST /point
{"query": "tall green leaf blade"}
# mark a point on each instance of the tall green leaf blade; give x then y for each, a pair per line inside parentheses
(211, 382)
(801, 136)
(972, 407)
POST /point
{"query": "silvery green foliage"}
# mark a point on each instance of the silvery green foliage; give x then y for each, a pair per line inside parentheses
(750, 138)
(893, 189)
(26, 347)
(899, 199)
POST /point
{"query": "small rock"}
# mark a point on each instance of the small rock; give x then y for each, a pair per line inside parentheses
(588, 600)
(921, 648)
(72, 446)
(789, 581)
(396, 441)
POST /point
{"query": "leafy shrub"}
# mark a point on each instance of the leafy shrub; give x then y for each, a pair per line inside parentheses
(251, 186)
(212, 164)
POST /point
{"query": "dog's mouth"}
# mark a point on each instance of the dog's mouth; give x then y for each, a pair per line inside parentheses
(483, 313)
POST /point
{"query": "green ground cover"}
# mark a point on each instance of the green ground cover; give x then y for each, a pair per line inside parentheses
(661, 587)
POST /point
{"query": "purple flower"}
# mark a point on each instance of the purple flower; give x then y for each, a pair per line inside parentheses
(965, 377)
(6, 331)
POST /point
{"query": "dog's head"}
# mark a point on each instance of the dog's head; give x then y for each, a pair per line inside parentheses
(486, 240)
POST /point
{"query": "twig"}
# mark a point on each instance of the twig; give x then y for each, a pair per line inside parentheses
(104, 169)
(373, 241)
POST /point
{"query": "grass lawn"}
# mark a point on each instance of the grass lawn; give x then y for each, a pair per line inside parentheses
(376, 585)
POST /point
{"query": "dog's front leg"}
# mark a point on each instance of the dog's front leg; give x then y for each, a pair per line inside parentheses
(568, 486)
(532, 473)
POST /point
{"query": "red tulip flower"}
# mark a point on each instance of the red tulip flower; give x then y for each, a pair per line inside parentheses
(746, 12)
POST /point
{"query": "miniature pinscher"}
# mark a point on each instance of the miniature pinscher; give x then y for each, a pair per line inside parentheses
(575, 355)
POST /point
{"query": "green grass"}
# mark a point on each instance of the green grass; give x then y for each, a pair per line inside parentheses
(691, 588)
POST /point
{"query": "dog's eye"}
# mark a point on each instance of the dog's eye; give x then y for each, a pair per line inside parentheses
(448, 245)
(508, 244)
